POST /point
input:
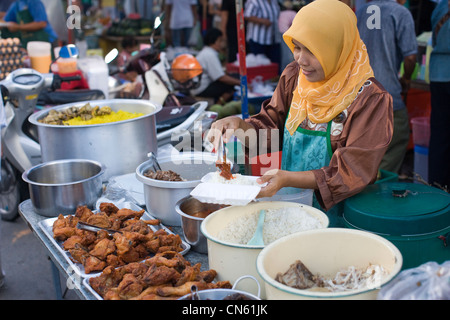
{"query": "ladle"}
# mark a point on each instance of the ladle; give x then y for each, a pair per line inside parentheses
(257, 239)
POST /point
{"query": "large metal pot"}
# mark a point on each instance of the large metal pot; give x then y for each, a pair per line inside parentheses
(59, 187)
(121, 146)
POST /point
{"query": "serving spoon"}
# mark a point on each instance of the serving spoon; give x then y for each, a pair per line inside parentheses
(257, 239)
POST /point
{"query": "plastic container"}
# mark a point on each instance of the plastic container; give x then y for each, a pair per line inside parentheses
(67, 65)
(40, 55)
(421, 162)
(232, 260)
(414, 217)
(96, 73)
(267, 72)
(421, 131)
(326, 252)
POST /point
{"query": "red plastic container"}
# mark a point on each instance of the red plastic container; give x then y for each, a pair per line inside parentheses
(418, 104)
(268, 72)
(421, 131)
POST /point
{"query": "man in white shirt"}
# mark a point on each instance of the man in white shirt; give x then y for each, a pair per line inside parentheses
(182, 17)
(215, 83)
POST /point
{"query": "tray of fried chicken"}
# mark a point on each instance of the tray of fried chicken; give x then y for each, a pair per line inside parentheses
(115, 236)
(165, 276)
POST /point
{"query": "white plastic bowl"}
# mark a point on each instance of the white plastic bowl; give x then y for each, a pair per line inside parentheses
(325, 252)
(232, 260)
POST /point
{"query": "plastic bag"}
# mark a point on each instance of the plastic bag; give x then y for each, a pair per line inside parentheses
(430, 281)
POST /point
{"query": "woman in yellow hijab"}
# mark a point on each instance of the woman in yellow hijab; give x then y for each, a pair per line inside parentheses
(336, 118)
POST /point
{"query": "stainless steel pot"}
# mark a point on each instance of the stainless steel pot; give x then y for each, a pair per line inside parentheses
(193, 212)
(160, 196)
(59, 187)
(225, 294)
(121, 146)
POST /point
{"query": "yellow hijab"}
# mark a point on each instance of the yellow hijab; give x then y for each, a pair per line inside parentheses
(328, 29)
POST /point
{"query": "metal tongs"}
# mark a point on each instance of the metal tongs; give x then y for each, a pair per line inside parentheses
(90, 227)
(155, 162)
(221, 152)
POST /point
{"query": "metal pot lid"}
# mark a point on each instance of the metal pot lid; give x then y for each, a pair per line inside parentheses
(397, 208)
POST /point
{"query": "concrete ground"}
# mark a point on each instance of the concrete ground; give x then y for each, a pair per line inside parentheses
(27, 269)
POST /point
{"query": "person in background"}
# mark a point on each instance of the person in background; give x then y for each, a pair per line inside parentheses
(439, 148)
(263, 35)
(4, 6)
(181, 19)
(229, 28)
(129, 46)
(215, 83)
(391, 41)
(28, 17)
(332, 141)
(133, 81)
(214, 10)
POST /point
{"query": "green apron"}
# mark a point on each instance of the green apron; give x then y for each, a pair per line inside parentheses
(23, 17)
(309, 150)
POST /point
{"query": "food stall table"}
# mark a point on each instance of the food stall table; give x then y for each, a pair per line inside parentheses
(61, 266)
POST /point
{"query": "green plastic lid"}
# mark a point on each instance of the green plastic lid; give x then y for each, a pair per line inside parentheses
(398, 208)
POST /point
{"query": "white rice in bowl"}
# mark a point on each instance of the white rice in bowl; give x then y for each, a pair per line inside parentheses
(277, 224)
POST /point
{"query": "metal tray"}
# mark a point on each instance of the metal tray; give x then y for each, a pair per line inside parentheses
(47, 227)
(88, 285)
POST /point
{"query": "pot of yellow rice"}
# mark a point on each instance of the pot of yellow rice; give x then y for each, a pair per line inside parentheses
(119, 133)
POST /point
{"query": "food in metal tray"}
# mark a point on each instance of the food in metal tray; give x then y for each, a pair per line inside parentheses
(166, 276)
(134, 241)
(298, 276)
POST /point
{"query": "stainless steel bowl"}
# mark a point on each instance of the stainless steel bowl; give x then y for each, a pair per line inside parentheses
(160, 196)
(225, 294)
(192, 213)
(59, 187)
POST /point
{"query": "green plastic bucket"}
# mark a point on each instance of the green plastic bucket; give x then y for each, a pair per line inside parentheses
(414, 217)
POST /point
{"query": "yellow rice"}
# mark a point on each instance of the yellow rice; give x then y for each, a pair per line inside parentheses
(113, 117)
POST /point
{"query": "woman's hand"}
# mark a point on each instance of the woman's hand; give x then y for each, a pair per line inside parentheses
(278, 179)
(226, 127)
(275, 181)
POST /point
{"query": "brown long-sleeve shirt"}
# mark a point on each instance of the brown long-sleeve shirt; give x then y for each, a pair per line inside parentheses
(359, 138)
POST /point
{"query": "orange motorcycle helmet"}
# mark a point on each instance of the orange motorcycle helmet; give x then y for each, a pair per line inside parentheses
(186, 70)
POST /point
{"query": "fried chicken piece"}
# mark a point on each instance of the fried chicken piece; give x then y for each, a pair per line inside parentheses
(72, 241)
(181, 290)
(100, 220)
(169, 259)
(189, 274)
(137, 226)
(83, 213)
(123, 244)
(125, 214)
(64, 227)
(208, 275)
(129, 287)
(108, 279)
(157, 297)
(170, 240)
(92, 264)
(152, 222)
(160, 275)
(103, 248)
(108, 208)
(111, 294)
(79, 253)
